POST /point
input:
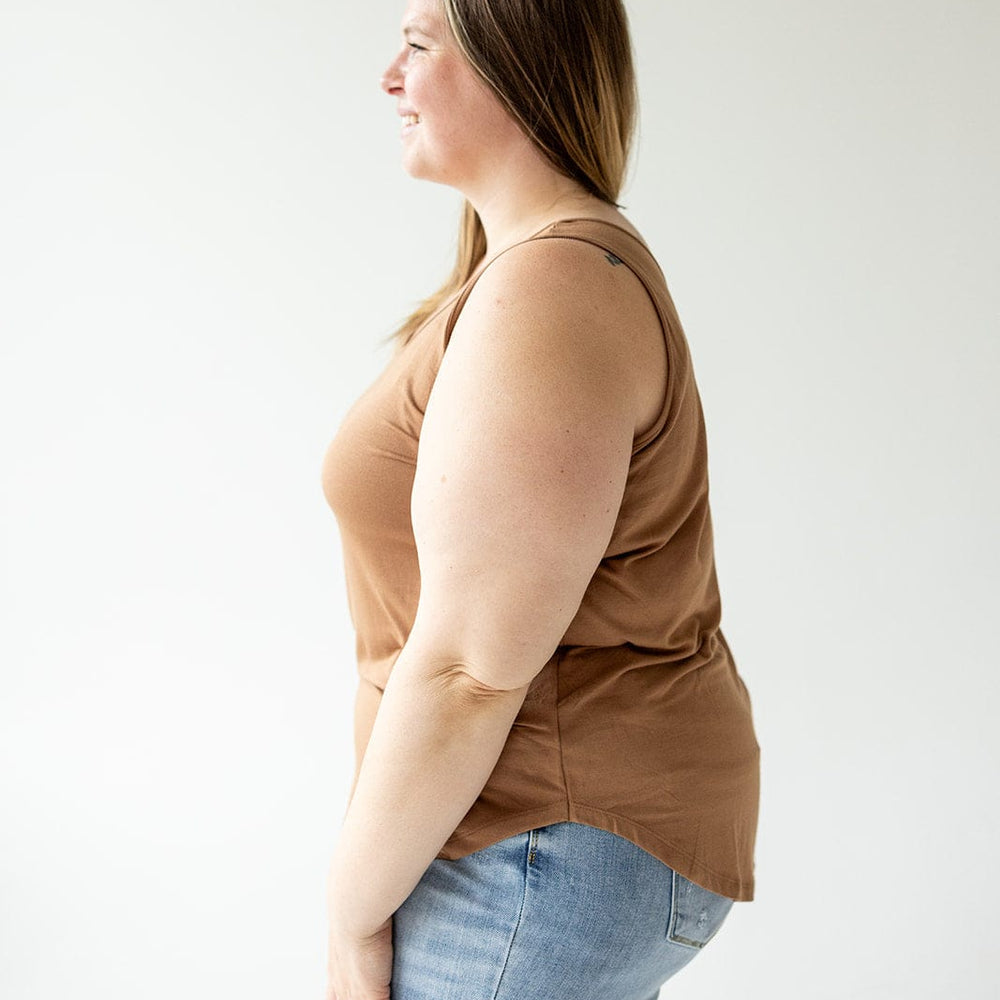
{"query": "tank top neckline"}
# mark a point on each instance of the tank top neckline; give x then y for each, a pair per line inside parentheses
(565, 222)
(588, 218)
(462, 291)
(485, 262)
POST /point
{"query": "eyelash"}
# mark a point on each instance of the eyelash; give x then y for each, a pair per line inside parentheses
(415, 47)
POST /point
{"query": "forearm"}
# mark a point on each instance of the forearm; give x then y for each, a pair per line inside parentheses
(366, 704)
(435, 742)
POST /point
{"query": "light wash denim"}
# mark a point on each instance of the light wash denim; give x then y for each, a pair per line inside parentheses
(561, 912)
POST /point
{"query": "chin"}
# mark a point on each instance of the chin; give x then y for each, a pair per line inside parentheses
(420, 170)
(414, 167)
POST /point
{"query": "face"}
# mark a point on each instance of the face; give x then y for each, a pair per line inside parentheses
(453, 126)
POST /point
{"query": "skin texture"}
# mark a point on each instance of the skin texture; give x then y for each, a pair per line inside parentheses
(460, 120)
(555, 364)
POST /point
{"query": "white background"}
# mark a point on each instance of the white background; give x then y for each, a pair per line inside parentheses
(205, 237)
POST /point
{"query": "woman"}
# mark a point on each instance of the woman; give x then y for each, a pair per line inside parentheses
(556, 785)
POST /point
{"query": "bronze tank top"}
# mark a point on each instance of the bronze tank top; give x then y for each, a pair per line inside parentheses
(640, 723)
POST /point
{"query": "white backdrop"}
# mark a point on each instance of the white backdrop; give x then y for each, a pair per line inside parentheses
(206, 234)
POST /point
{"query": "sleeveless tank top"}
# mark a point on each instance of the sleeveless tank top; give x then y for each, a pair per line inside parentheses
(639, 724)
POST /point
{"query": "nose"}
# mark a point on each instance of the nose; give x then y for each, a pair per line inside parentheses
(392, 78)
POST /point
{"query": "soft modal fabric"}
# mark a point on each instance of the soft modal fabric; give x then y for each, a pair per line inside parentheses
(640, 723)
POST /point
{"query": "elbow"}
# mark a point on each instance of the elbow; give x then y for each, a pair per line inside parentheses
(476, 679)
(485, 683)
(495, 667)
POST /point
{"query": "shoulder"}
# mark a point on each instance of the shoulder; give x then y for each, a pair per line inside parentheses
(563, 308)
(567, 276)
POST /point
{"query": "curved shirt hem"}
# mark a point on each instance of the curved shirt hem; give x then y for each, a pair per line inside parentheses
(464, 842)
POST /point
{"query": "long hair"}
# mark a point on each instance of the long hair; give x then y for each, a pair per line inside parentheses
(563, 69)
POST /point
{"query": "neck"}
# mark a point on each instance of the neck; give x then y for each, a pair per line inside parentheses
(518, 201)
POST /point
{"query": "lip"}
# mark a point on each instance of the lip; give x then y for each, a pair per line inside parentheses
(408, 126)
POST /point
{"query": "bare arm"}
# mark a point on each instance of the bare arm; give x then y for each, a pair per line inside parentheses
(367, 699)
(524, 454)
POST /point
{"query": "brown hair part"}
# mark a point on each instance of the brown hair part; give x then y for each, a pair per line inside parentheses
(563, 69)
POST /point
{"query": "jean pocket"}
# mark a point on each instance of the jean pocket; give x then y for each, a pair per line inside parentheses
(696, 913)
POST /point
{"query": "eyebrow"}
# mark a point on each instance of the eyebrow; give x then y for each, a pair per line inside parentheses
(417, 27)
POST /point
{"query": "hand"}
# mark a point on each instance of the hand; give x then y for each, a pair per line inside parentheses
(359, 968)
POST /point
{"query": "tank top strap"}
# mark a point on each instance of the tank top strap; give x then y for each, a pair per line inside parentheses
(626, 249)
(619, 243)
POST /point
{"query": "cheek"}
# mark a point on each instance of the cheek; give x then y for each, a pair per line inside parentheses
(480, 111)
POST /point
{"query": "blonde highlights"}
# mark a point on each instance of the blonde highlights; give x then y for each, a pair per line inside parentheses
(563, 69)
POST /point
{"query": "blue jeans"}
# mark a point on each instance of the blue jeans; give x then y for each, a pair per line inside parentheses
(562, 912)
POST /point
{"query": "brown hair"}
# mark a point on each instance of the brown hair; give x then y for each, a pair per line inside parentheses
(563, 70)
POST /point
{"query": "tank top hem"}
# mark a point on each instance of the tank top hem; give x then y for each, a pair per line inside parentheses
(464, 842)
